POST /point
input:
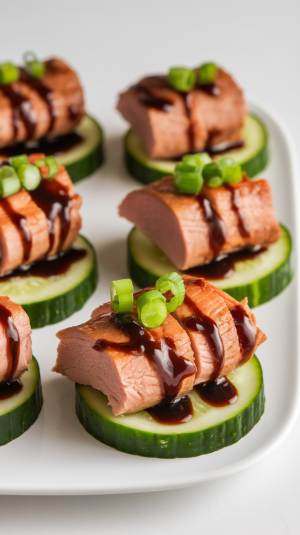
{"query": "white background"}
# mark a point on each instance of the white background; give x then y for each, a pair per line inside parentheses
(111, 43)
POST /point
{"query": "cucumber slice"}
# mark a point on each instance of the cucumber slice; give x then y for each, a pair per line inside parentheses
(260, 279)
(53, 299)
(253, 157)
(19, 412)
(210, 428)
(86, 157)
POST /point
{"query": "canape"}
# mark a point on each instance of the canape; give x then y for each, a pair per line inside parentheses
(209, 220)
(42, 110)
(20, 384)
(44, 265)
(189, 111)
(176, 363)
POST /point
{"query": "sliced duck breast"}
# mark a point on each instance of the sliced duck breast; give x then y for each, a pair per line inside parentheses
(15, 340)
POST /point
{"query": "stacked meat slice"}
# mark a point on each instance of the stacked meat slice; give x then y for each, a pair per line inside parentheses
(98, 352)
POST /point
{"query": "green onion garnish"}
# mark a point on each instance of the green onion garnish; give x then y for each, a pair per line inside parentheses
(51, 162)
(8, 73)
(16, 161)
(207, 73)
(200, 159)
(9, 181)
(232, 170)
(181, 79)
(40, 163)
(172, 282)
(213, 175)
(152, 309)
(35, 67)
(121, 295)
(29, 176)
(188, 178)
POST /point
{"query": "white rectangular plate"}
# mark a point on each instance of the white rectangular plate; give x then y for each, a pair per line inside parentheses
(57, 456)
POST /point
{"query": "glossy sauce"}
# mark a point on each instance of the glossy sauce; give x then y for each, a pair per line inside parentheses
(217, 233)
(44, 92)
(13, 342)
(223, 267)
(177, 412)
(21, 109)
(199, 322)
(217, 393)
(211, 89)
(50, 267)
(235, 195)
(148, 98)
(49, 146)
(171, 368)
(246, 330)
(21, 224)
(10, 389)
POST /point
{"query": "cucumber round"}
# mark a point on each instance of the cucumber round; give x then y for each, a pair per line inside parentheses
(86, 157)
(19, 412)
(260, 279)
(253, 157)
(48, 300)
(210, 428)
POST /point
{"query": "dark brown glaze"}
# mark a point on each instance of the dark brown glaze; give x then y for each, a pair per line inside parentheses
(217, 393)
(21, 224)
(54, 200)
(199, 322)
(177, 412)
(224, 147)
(235, 195)
(171, 367)
(13, 342)
(10, 389)
(21, 109)
(217, 232)
(187, 98)
(211, 89)
(50, 267)
(148, 98)
(44, 92)
(51, 146)
(223, 267)
(246, 331)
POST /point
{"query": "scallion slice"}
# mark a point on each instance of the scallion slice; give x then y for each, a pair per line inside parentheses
(172, 282)
(201, 159)
(51, 162)
(232, 170)
(188, 178)
(16, 161)
(29, 176)
(9, 181)
(181, 79)
(121, 295)
(9, 73)
(40, 163)
(35, 67)
(207, 73)
(152, 309)
(213, 175)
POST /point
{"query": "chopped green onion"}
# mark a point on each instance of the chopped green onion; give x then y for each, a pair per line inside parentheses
(16, 161)
(9, 181)
(121, 295)
(188, 178)
(181, 79)
(52, 165)
(207, 73)
(232, 170)
(29, 176)
(174, 283)
(35, 67)
(200, 159)
(152, 309)
(213, 175)
(40, 163)
(8, 73)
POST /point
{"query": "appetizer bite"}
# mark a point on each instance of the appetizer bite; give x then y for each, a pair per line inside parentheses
(42, 110)
(209, 220)
(20, 384)
(44, 264)
(189, 111)
(176, 364)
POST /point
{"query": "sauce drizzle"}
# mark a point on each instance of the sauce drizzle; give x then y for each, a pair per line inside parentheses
(21, 224)
(13, 342)
(21, 109)
(246, 330)
(217, 393)
(177, 412)
(235, 195)
(10, 389)
(171, 367)
(217, 231)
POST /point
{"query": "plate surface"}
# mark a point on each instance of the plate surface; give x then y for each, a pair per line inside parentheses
(57, 456)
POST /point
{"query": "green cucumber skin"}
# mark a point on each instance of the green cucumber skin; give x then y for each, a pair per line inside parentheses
(258, 292)
(141, 172)
(20, 419)
(84, 167)
(63, 306)
(168, 446)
